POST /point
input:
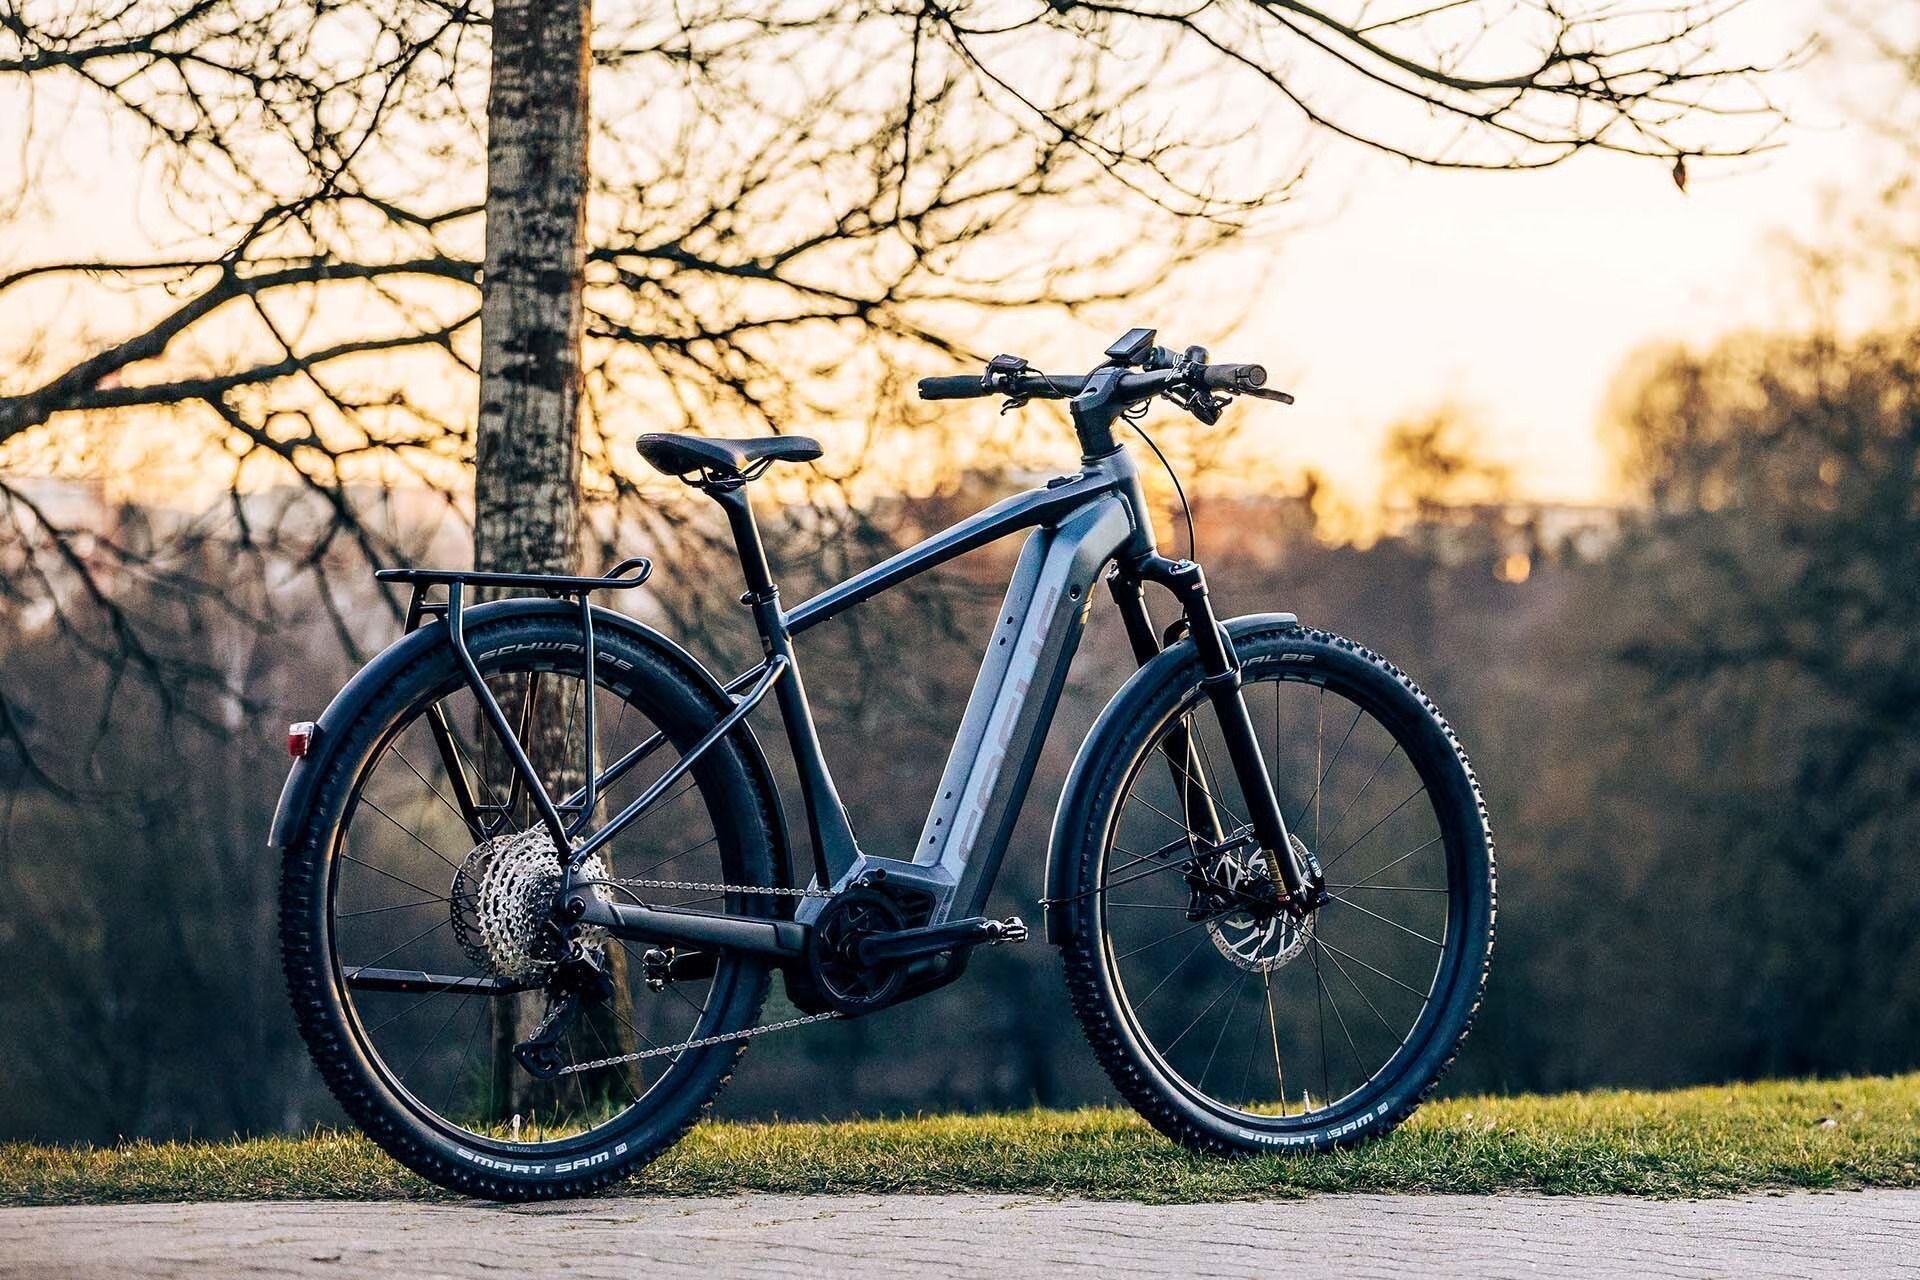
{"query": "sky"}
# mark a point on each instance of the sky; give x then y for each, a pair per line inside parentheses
(1518, 296)
(1385, 290)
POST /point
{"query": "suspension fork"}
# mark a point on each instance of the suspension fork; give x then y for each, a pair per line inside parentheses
(1221, 680)
(1183, 757)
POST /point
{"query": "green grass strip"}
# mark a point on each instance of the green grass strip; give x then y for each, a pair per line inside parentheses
(1692, 1142)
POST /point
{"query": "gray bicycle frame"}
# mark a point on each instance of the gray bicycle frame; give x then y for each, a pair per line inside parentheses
(1081, 524)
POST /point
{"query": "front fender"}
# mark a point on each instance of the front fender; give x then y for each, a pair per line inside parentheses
(1065, 911)
(297, 794)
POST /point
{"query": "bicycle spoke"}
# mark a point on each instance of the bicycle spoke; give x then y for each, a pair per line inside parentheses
(1341, 1019)
(1376, 826)
(1239, 989)
(1319, 749)
(1228, 986)
(1414, 933)
(1165, 937)
(436, 1053)
(482, 1015)
(415, 835)
(1176, 968)
(1273, 1029)
(1138, 875)
(1207, 774)
(438, 924)
(404, 906)
(1384, 888)
(451, 807)
(1163, 813)
(1357, 987)
(1321, 781)
(608, 1051)
(1191, 1018)
(1320, 1013)
(1391, 752)
(1419, 848)
(429, 1041)
(1336, 951)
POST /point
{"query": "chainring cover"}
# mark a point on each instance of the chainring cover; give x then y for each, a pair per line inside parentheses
(834, 970)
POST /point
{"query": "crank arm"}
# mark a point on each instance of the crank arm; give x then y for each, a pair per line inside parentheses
(909, 944)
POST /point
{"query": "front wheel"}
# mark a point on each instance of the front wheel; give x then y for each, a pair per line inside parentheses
(1236, 1028)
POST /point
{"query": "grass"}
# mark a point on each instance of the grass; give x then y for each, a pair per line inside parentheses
(1693, 1142)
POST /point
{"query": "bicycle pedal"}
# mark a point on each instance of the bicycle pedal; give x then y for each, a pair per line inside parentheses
(1012, 929)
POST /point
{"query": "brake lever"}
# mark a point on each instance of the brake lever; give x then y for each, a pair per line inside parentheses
(1278, 397)
(1202, 404)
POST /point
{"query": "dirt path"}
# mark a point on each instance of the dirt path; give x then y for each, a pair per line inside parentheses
(1851, 1233)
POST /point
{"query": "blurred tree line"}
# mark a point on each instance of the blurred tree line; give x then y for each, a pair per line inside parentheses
(1698, 733)
(1701, 742)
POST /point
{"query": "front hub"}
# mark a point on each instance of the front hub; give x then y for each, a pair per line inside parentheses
(1249, 917)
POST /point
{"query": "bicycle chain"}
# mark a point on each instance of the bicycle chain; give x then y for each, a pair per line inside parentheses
(703, 1041)
(700, 1043)
(750, 889)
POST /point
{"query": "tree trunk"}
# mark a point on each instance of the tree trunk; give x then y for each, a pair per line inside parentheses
(527, 450)
(527, 455)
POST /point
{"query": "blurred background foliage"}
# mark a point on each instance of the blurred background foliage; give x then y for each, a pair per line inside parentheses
(1696, 712)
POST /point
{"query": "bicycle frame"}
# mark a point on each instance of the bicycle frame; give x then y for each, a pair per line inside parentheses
(1080, 526)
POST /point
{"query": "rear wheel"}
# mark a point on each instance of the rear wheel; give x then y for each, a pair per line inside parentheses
(405, 912)
(1234, 1027)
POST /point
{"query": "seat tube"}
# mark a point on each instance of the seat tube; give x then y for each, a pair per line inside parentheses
(830, 831)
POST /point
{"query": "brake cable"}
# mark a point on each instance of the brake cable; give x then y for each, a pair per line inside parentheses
(1133, 414)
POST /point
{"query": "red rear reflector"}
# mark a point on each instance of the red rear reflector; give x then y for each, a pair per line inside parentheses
(300, 736)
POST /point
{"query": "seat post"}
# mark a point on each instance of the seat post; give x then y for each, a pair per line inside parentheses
(732, 497)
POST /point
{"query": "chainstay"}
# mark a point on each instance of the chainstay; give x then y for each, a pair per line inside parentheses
(700, 1043)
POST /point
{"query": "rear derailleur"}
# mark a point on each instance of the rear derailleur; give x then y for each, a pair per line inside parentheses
(578, 981)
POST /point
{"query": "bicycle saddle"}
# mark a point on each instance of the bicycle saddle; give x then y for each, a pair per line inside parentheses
(682, 455)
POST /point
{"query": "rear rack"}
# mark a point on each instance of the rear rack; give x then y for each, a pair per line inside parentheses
(629, 573)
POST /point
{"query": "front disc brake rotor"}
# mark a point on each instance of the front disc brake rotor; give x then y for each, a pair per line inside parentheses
(1257, 942)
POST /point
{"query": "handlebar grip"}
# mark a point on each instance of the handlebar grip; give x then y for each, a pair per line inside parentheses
(1234, 376)
(957, 387)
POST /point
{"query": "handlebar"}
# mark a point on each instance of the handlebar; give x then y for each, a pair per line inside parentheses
(1027, 385)
(1233, 377)
(1009, 376)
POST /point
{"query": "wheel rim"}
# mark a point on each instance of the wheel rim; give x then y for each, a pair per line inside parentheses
(396, 879)
(1314, 1021)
